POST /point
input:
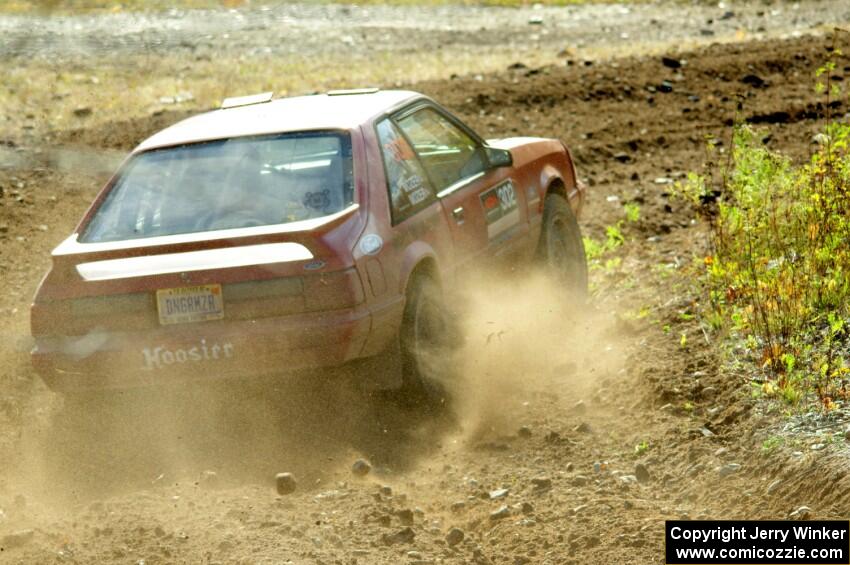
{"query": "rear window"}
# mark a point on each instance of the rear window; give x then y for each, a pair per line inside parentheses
(226, 184)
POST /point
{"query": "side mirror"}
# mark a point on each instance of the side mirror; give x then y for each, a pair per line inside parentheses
(498, 157)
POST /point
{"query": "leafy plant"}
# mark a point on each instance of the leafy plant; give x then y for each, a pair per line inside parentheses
(772, 443)
(778, 272)
(596, 251)
(632, 210)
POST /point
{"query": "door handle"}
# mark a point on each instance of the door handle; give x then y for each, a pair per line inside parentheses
(457, 214)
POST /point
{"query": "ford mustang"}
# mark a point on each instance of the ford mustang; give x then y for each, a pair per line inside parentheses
(275, 235)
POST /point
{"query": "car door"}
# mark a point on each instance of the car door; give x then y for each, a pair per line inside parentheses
(486, 215)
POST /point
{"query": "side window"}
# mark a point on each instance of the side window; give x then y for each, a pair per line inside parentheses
(447, 152)
(410, 189)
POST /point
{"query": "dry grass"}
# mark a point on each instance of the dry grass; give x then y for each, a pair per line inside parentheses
(50, 93)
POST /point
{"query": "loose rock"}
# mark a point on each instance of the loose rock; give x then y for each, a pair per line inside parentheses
(578, 509)
(498, 493)
(582, 428)
(753, 80)
(671, 63)
(208, 479)
(361, 468)
(454, 537)
(405, 535)
(405, 516)
(285, 483)
(502, 512)
(641, 473)
(729, 469)
(541, 483)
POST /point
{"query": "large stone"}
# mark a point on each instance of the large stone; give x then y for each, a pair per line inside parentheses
(454, 537)
(361, 468)
(502, 512)
(285, 483)
(641, 473)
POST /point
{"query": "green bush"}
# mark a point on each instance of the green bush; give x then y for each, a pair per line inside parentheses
(778, 273)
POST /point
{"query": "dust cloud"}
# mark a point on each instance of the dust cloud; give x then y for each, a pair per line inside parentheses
(524, 337)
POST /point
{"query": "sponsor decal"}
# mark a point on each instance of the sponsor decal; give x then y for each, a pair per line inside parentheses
(399, 149)
(159, 357)
(500, 208)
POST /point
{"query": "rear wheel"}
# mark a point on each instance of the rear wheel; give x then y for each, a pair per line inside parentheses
(425, 343)
(562, 248)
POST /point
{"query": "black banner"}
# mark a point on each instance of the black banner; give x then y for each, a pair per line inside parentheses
(745, 542)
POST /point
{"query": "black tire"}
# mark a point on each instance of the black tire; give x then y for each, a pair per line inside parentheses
(562, 247)
(425, 343)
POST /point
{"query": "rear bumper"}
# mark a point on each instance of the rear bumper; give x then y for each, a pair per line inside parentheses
(202, 351)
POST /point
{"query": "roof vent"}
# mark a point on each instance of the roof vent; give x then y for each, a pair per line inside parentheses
(351, 91)
(237, 101)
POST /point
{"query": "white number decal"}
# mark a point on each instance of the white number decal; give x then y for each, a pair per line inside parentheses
(507, 195)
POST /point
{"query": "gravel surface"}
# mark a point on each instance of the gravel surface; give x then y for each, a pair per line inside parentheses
(305, 30)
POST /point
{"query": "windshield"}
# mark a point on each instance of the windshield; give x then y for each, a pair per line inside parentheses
(231, 183)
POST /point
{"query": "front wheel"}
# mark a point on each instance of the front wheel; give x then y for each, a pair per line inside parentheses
(562, 248)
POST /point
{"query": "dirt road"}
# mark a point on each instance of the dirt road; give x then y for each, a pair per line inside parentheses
(571, 438)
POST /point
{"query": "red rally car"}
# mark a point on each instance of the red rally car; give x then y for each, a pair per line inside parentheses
(276, 235)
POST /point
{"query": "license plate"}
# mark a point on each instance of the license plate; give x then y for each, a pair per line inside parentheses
(190, 304)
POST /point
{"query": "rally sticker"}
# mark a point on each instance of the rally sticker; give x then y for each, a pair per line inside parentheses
(500, 208)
